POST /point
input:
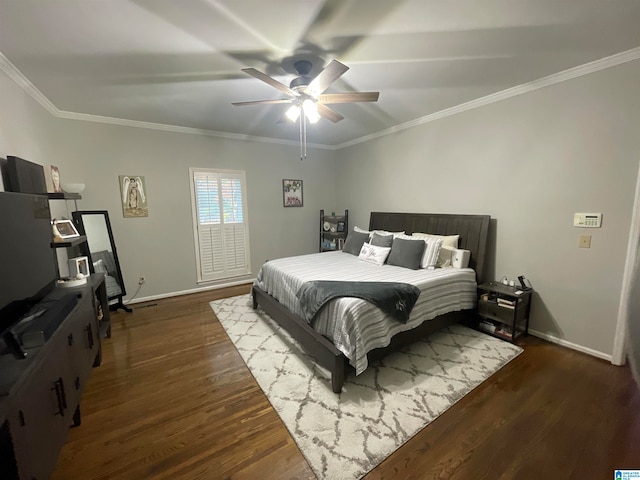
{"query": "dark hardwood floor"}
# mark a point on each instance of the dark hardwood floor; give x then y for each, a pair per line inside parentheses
(174, 400)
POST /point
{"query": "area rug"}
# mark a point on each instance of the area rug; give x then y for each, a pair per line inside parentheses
(345, 436)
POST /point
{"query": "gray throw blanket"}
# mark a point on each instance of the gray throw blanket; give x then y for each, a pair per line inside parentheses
(394, 298)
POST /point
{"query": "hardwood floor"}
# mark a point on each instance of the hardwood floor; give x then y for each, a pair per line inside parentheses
(173, 399)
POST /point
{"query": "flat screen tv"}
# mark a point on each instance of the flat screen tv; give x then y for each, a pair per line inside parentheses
(28, 268)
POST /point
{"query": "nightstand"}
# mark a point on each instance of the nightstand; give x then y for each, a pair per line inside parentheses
(503, 310)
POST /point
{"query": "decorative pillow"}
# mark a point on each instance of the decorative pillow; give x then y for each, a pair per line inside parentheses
(444, 257)
(381, 240)
(379, 232)
(98, 266)
(354, 242)
(406, 253)
(431, 252)
(372, 254)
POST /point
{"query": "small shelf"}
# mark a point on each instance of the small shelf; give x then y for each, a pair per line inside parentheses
(332, 239)
(69, 242)
(64, 196)
(503, 310)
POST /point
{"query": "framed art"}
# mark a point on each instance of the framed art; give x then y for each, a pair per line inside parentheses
(64, 229)
(292, 193)
(133, 196)
(78, 265)
(55, 179)
(340, 227)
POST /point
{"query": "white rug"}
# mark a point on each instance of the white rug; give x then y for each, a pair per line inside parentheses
(345, 436)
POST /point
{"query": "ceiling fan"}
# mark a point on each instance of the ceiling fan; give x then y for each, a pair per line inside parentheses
(306, 95)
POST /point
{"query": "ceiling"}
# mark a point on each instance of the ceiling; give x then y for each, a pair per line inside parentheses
(179, 63)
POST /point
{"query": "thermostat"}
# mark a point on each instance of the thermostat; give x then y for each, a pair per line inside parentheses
(587, 220)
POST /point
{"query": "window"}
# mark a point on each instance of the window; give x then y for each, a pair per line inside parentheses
(220, 223)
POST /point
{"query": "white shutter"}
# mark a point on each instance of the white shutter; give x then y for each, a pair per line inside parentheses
(222, 240)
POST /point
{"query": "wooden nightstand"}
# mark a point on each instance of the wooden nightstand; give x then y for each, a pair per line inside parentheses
(503, 310)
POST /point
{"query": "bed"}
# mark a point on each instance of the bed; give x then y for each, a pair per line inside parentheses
(333, 338)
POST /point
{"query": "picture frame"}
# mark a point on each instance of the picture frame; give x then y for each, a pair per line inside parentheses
(78, 265)
(133, 196)
(292, 193)
(340, 227)
(63, 229)
(55, 179)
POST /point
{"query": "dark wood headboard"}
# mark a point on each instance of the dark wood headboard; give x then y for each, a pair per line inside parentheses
(473, 230)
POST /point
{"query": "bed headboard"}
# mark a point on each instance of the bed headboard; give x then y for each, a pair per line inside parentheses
(473, 230)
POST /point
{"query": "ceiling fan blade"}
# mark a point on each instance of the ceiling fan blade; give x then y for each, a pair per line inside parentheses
(349, 97)
(270, 81)
(325, 78)
(329, 114)
(261, 102)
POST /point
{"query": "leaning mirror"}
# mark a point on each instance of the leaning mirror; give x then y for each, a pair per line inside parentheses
(102, 252)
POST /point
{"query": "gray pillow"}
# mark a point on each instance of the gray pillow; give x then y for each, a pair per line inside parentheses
(354, 242)
(381, 240)
(406, 253)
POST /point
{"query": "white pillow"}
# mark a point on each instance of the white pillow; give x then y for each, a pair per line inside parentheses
(431, 251)
(372, 254)
(444, 257)
(379, 232)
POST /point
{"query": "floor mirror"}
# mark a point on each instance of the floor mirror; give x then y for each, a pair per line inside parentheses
(102, 252)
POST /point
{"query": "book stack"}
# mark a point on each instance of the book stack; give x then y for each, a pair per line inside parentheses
(506, 303)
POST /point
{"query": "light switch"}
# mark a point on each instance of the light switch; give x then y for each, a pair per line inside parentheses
(584, 241)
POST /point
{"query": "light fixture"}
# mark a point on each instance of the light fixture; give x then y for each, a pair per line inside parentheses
(303, 110)
(293, 113)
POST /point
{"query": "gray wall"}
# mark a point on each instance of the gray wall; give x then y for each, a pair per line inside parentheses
(161, 246)
(530, 162)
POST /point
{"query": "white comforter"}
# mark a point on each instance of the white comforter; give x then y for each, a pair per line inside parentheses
(354, 325)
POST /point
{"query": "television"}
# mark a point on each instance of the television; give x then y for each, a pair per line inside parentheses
(24, 176)
(28, 265)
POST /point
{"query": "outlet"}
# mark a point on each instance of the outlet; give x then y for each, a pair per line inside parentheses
(142, 280)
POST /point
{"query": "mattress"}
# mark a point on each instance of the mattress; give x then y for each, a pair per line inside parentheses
(356, 326)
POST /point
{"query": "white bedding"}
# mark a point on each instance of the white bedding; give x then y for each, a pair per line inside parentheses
(356, 326)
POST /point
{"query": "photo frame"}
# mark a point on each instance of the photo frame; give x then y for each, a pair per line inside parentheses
(78, 265)
(133, 196)
(340, 227)
(63, 229)
(292, 193)
(55, 179)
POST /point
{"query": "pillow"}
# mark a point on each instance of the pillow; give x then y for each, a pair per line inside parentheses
(372, 254)
(354, 242)
(98, 266)
(406, 253)
(379, 232)
(431, 252)
(381, 240)
(444, 257)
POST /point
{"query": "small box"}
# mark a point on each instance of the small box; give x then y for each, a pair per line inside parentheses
(78, 265)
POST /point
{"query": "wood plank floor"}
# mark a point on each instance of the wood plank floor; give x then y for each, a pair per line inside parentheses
(174, 400)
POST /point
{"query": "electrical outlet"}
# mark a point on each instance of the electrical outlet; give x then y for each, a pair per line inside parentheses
(141, 280)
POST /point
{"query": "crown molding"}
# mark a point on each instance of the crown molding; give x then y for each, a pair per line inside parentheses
(553, 79)
(607, 62)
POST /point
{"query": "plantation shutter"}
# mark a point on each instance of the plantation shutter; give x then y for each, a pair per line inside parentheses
(222, 241)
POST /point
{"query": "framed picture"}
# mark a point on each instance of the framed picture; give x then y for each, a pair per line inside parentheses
(133, 196)
(292, 193)
(64, 229)
(78, 265)
(340, 227)
(55, 179)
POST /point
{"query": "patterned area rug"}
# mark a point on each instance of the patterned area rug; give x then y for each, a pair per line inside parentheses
(345, 436)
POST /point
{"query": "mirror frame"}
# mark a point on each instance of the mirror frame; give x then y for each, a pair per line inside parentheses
(78, 219)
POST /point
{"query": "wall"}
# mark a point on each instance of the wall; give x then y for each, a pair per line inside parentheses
(161, 246)
(530, 162)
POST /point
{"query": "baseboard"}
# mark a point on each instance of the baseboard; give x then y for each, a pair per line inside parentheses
(187, 292)
(572, 346)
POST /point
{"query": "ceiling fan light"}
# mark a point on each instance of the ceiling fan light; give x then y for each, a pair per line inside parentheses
(293, 113)
(311, 110)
